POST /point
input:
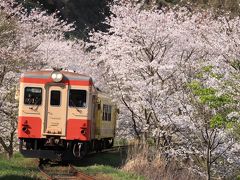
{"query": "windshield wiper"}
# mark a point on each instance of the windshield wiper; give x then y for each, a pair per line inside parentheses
(35, 104)
(74, 105)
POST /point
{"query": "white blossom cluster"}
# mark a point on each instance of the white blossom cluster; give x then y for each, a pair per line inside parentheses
(149, 58)
(146, 62)
(29, 40)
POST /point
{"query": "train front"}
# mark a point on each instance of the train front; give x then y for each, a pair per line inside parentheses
(54, 114)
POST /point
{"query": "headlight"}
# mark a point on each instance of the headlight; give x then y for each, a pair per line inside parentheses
(56, 76)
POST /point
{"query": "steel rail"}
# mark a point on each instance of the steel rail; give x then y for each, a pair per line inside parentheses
(41, 169)
(73, 174)
(81, 175)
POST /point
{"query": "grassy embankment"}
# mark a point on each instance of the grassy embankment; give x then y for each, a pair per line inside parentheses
(103, 166)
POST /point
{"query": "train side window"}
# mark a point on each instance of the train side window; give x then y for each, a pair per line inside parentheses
(55, 98)
(107, 115)
(33, 96)
(104, 115)
(77, 98)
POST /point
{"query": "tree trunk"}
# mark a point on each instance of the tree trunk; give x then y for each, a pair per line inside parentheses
(135, 127)
(10, 153)
(8, 149)
(2, 74)
(208, 161)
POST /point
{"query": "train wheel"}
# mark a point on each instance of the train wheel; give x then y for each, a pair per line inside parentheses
(79, 150)
(99, 145)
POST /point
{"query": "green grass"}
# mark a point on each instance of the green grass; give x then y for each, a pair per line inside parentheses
(107, 166)
(102, 165)
(18, 168)
(108, 172)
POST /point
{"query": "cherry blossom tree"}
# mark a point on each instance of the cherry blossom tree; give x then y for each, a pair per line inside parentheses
(150, 61)
(29, 41)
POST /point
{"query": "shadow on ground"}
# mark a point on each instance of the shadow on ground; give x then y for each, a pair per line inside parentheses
(15, 168)
(113, 158)
(16, 177)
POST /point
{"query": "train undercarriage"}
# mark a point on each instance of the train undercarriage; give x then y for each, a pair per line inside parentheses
(54, 148)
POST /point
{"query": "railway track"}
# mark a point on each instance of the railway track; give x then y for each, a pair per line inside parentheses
(60, 172)
(63, 173)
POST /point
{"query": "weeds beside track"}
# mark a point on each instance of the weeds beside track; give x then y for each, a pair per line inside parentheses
(55, 171)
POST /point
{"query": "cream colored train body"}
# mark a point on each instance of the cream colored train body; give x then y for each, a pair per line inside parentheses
(63, 116)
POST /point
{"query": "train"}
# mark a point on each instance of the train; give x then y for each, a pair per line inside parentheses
(63, 116)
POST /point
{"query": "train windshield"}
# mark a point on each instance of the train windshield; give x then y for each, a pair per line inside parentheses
(33, 96)
(77, 98)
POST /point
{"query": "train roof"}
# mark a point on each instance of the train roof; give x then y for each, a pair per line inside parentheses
(45, 74)
(105, 97)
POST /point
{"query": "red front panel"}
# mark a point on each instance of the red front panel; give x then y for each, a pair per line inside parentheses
(78, 129)
(29, 127)
(49, 80)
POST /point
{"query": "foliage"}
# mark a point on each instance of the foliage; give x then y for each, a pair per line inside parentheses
(108, 172)
(174, 73)
(147, 161)
(25, 168)
(18, 168)
(169, 69)
(85, 14)
(218, 5)
(29, 40)
(222, 104)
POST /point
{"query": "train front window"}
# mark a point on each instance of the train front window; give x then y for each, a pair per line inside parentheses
(33, 96)
(55, 98)
(77, 98)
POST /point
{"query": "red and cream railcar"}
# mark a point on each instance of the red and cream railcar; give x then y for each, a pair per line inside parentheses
(63, 116)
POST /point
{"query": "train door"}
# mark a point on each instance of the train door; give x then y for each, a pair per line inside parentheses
(56, 110)
(94, 113)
